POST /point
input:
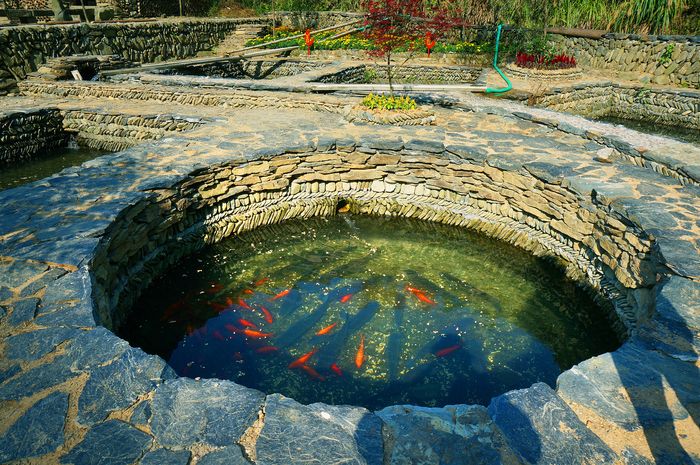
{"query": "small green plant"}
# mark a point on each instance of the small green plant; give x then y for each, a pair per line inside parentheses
(389, 102)
(369, 76)
(665, 57)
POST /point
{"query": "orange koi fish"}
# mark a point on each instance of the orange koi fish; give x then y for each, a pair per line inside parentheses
(423, 298)
(447, 350)
(260, 282)
(336, 369)
(266, 349)
(326, 330)
(268, 315)
(345, 298)
(218, 307)
(360, 356)
(247, 324)
(256, 334)
(248, 291)
(303, 359)
(231, 328)
(172, 309)
(244, 304)
(280, 295)
(229, 301)
(313, 373)
(218, 335)
(420, 295)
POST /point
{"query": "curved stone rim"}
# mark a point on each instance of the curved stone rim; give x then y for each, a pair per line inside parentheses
(72, 295)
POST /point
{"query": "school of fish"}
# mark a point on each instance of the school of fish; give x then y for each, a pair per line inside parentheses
(253, 331)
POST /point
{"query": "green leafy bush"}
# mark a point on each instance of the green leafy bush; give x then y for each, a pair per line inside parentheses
(389, 102)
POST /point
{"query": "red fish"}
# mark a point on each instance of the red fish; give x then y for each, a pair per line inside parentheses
(218, 335)
(218, 307)
(248, 291)
(247, 324)
(244, 304)
(280, 295)
(268, 315)
(260, 282)
(313, 373)
(423, 298)
(326, 330)
(171, 310)
(303, 359)
(447, 350)
(229, 301)
(360, 356)
(420, 295)
(256, 334)
(345, 298)
(231, 328)
(336, 369)
(266, 349)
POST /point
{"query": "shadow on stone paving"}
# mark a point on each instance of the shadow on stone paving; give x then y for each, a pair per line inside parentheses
(647, 378)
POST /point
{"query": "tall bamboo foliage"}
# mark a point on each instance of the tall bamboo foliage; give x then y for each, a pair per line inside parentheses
(632, 16)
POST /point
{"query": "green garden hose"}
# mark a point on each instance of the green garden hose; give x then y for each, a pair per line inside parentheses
(499, 90)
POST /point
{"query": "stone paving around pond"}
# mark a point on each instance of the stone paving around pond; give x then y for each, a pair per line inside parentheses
(73, 392)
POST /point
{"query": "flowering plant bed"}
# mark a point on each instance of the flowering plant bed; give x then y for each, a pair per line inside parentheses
(561, 61)
(390, 109)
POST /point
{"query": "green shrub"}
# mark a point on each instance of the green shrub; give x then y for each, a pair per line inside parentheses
(389, 102)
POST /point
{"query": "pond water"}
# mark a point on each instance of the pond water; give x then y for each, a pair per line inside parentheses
(682, 134)
(369, 311)
(45, 164)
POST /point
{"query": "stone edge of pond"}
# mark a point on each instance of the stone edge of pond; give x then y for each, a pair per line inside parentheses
(175, 89)
(80, 392)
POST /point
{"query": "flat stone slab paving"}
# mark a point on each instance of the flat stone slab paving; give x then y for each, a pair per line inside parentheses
(73, 392)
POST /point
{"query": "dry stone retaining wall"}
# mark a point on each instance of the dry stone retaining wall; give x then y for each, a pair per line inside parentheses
(24, 48)
(420, 181)
(441, 74)
(114, 132)
(667, 107)
(24, 133)
(666, 59)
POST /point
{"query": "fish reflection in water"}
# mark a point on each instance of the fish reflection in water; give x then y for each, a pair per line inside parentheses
(363, 325)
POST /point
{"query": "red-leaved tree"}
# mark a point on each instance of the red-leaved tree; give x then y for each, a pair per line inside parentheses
(393, 25)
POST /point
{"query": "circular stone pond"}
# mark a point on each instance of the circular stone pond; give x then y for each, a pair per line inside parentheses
(369, 311)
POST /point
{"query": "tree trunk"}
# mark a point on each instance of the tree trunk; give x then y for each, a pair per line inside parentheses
(388, 74)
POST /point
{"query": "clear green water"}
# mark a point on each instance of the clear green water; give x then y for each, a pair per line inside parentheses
(501, 319)
(682, 134)
(44, 165)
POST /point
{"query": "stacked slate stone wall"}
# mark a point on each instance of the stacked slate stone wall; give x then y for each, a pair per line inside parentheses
(667, 107)
(422, 180)
(249, 69)
(115, 132)
(665, 59)
(441, 74)
(24, 48)
(24, 133)
(300, 20)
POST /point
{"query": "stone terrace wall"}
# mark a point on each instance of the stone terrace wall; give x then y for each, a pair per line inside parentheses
(670, 108)
(443, 74)
(420, 180)
(622, 52)
(115, 132)
(24, 48)
(313, 19)
(24, 133)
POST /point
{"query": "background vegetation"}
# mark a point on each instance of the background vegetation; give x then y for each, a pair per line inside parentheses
(630, 16)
